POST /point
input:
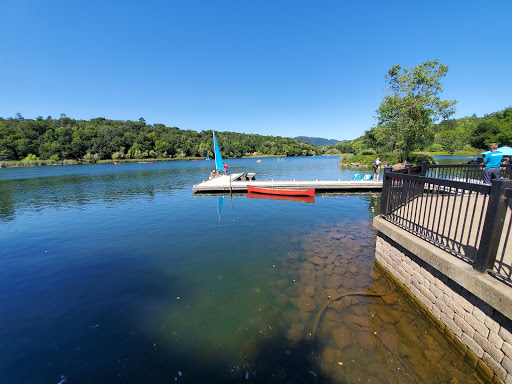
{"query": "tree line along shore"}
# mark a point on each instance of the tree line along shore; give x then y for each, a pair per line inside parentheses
(64, 141)
(406, 129)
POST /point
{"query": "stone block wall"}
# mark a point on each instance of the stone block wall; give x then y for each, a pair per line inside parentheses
(481, 333)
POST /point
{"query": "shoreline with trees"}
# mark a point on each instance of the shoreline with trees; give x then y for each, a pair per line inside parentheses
(81, 141)
(451, 137)
(406, 130)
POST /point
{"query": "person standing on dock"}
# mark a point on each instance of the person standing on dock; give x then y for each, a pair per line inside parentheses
(492, 163)
(376, 169)
(225, 168)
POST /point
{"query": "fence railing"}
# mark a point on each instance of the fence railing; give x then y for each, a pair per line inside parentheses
(470, 173)
(455, 212)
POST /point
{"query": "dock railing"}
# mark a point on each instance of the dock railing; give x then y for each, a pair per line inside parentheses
(450, 207)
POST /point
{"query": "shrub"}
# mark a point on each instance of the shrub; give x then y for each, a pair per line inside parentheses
(90, 158)
(31, 157)
(368, 151)
(332, 151)
(367, 160)
(416, 159)
(435, 148)
(117, 156)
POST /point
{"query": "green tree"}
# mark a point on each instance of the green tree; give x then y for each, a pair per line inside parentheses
(489, 131)
(407, 115)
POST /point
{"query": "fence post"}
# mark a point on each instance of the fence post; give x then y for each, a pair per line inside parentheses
(386, 183)
(493, 226)
(507, 172)
(424, 166)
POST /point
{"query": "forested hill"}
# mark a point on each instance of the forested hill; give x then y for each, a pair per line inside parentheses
(321, 142)
(467, 134)
(100, 138)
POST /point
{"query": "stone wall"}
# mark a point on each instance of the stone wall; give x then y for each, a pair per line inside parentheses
(458, 305)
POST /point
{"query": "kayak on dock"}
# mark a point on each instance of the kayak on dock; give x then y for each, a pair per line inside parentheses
(280, 191)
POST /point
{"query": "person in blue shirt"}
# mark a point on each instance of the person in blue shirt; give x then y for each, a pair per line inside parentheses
(492, 162)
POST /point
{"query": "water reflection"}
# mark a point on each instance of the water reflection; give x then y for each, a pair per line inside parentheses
(75, 191)
(302, 199)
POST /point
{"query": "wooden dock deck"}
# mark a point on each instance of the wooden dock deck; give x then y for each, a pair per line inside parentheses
(233, 183)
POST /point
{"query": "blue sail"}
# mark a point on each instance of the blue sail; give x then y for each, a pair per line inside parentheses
(218, 157)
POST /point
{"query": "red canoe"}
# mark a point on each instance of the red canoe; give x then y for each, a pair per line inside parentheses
(302, 199)
(279, 191)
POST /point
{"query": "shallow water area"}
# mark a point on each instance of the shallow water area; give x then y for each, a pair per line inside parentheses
(120, 274)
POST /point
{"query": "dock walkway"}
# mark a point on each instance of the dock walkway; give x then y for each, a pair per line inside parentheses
(233, 183)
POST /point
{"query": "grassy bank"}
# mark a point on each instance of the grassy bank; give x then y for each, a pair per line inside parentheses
(35, 163)
(40, 163)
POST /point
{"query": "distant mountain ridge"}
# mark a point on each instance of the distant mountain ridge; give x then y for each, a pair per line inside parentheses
(321, 142)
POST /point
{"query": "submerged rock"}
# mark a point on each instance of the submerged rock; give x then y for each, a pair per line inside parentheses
(333, 316)
(361, 321)
(333, 282)
(389, 299)
(317, 260)
(306, 303)
(342, 337)
(310, 291)
(367, 340)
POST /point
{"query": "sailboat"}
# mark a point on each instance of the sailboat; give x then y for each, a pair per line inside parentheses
(218, 158)
(207, 157)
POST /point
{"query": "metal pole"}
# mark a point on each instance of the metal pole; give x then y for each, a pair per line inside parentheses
(386, 183)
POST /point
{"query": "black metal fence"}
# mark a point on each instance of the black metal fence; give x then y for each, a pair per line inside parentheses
(450, 207)
(470, 173)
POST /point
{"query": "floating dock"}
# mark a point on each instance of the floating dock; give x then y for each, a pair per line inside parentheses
(234, 183)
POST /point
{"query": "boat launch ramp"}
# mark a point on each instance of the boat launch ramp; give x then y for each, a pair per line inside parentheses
(238, 182)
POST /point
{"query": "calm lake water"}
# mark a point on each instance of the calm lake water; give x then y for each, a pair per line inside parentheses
(121, 274)
(446, 160)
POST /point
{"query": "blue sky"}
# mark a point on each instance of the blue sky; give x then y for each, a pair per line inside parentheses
(270, 67)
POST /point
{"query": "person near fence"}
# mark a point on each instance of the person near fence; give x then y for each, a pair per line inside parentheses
(376, 168)
(492, 162)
